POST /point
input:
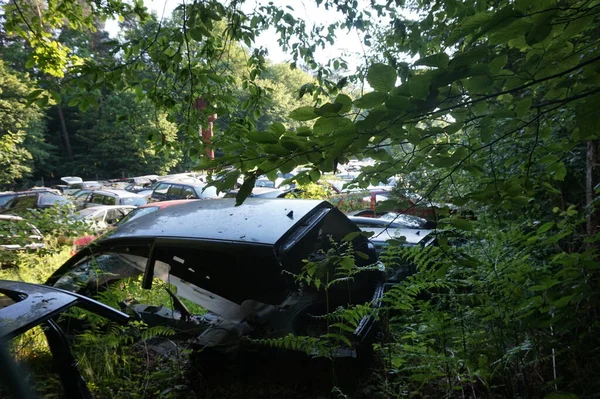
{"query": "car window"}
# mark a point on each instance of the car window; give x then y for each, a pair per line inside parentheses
(188, 193)
(51, 199)
(135, 201)
(113, 216)
(5, 198)
(82, 196)
(136, 213)
(109, 200)
(207, 192)
(23, 202)
(174, 191)
(162, 189)
(89, 213)
(96, 198)
(99, 216)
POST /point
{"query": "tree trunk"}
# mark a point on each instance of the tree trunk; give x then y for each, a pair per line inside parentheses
(591, 180)
(65, 133)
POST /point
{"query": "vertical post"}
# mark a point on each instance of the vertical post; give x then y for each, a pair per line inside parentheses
(207, 134)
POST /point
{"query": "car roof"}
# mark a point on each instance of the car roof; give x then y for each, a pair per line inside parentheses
(44, 190)
(187, 181)
(117, 192)
(164, 204)
(220, 219)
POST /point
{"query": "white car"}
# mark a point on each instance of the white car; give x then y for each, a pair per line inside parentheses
(101, 217)
(17, 234)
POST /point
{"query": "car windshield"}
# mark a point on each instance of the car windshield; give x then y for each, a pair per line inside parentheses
(136, 213)
(5, 198)
(136, 201)
(87, 213)
(51, 199)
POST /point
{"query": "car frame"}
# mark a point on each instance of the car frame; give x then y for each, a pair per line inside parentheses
(113, 197)
(174, 189)
(31, 305)
(238, 262)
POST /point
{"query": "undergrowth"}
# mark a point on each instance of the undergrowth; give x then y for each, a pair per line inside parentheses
(511, 314)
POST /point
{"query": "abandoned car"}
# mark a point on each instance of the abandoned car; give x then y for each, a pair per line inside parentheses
(24, 306)
(243, 265)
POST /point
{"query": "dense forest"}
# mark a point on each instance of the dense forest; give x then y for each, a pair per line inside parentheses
(485, 105)
(103, 133)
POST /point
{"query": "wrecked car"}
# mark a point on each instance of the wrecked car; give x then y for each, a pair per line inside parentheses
(24, 306)
(240, 263)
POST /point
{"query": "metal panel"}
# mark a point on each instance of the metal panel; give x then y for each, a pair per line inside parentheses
(261, 221)
(35, 304)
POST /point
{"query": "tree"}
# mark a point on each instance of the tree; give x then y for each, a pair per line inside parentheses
(21, 128)
(125, 137)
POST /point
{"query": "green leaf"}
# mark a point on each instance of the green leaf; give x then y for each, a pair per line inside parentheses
(315, 175)
(587, 118)
(329, 124)
(370, 100)
(381, 77)
(303, 114)
(522, 107)
(561, 395)
(34, 94)
(196, 34)
(346, 102)
(562, 302)
(329, 109)
(497, 64)
(558, 171)
(419, 86)
(304, 131)
(399, 103)
(439, 60)
(544, 285)
(245, 189)
(539, 31)
(462, 224)
(278, 128)
(351, 236)
(55, 96)
(545, 227)
(275, 149)
(549, 159)
(42, 101)
(262, 137)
